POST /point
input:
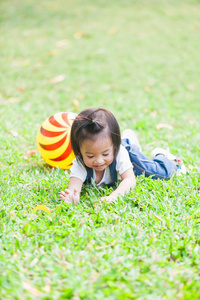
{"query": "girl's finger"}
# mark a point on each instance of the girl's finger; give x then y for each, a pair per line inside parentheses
(67, 201)
(62, 193)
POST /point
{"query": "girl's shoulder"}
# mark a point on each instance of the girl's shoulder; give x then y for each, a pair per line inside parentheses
(78, 170)
(123, 162)
(123, 153)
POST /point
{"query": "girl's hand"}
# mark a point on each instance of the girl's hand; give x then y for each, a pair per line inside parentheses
(108, 199)
(70, 197)
(72, 194)
(128, 182)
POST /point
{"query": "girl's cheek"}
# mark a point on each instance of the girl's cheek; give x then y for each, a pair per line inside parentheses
(87, 162)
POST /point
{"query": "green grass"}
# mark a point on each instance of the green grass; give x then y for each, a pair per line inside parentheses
(141, 60)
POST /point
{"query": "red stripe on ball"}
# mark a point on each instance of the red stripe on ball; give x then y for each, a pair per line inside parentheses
(53, 146)
(65, 118)
(55, 123)
(64, 155)
(48, 133)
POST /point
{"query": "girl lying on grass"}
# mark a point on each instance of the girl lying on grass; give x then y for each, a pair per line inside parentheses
(102, 155)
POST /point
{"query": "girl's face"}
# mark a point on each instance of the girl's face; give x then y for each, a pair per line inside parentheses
(97, 154)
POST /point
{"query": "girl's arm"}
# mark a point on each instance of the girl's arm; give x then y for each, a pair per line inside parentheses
(72, 194)
(128, 182)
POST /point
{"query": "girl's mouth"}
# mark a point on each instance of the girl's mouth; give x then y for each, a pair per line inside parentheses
(99, 167)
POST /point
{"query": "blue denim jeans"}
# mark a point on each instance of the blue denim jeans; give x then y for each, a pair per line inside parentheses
(160, 167)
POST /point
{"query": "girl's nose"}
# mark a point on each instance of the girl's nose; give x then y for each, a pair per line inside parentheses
(98, 160)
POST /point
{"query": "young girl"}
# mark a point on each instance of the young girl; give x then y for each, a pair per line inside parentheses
(102, 155)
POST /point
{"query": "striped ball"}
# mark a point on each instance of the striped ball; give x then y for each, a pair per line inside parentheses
(53, 140)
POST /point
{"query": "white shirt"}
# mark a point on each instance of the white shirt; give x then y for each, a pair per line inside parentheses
(123, 163)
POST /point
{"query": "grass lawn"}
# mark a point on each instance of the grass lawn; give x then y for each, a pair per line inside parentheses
(140, 59)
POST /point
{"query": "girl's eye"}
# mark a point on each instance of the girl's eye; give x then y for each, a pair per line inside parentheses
(90, 156)
(105, 154)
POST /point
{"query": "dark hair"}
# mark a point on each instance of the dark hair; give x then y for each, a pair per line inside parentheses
(91, 122)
